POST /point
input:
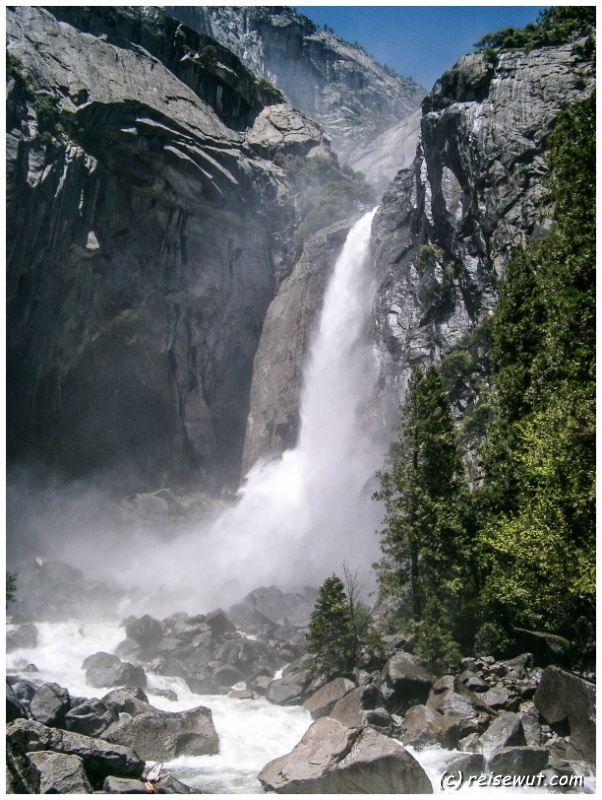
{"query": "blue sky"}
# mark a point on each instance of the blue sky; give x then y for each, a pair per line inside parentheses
(419, 41)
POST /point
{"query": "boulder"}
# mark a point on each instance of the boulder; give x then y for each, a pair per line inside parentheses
(167, 784)
(22, 777)
(323, 701)
(405, 683)
(60, 773)
(219, 623)
(469, 764)
(14, 709)
(289, 690)
(364, 705)
(161, 735)
(24, 636)
(90, 717)
(506, 730)
(130, 701)
(146, 631)
(101, 758)
(518, 761)
(106, 670)
(564, 697)
(333, 759)
(423, 726)
(50, 704)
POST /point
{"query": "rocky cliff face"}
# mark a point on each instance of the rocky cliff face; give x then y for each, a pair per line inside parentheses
(447, 227)
(443, 233)
(145, 242)
(338, 84)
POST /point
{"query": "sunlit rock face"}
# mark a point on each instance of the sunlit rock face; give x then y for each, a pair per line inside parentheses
(336, 83)
(447, 226)
(145, 242)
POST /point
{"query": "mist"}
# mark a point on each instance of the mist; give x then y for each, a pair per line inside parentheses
(295, 520)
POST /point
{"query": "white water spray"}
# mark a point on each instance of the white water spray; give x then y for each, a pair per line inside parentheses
(299, 517)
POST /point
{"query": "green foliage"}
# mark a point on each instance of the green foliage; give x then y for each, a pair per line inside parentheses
(492, 639)
(324, 192)
(434, 638)
(50, 126)
(426, 553)
(555, 25)
(270, 90)
(14, 69)
(208, 55)
(340, 628)
(11, 587)
(538, 497)
(429, 254)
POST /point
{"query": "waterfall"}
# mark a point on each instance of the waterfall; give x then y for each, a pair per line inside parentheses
(298, 517)
(301, 516)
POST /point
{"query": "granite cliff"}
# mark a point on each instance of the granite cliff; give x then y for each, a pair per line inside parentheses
(447, 226)
(334, 82)
(160, 298)
(444, 231)
(148, 228)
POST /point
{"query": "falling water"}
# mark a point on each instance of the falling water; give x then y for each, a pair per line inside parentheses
(299, 517)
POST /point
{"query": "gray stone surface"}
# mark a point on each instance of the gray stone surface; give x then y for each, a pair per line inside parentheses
(336, 83)
(50, 704)
(332, 759)
(561, 695)
(161, 735)
(101, 758)
(60, 773)
(321, 703)
(161, 223)
(473, 191)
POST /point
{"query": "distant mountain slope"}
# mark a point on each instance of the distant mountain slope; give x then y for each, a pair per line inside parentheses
(336, 83)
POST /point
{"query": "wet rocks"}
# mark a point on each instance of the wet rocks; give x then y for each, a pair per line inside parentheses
(161, 736)
(23, 636)
(106, 670)
(332, 758)
(100, 758)
(60, 773)
(90, 717)
(50, 704)
(564, 697)
(405, 682)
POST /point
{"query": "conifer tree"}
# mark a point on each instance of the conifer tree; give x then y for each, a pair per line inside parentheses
(423, 541)
(330, 633)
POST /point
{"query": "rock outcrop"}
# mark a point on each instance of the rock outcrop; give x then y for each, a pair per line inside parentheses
(145, 242)
(336, 83)
(333, 759)
(446, 228)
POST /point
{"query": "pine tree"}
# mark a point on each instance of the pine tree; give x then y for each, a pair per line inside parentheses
(538, 536)
(330, 634)
(423, 541)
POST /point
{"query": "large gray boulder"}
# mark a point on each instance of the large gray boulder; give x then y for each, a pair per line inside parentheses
(90, 717)
(60, 773)
(161, 736)
(100, 758)
(104, 670)
(333, 759)
(504, 731)
(50, 704)
(24, 636)
(321, 703)
(405, 682)
(518, 760)
(563, 696)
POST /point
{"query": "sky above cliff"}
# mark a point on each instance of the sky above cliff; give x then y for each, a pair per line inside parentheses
(420, 42)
